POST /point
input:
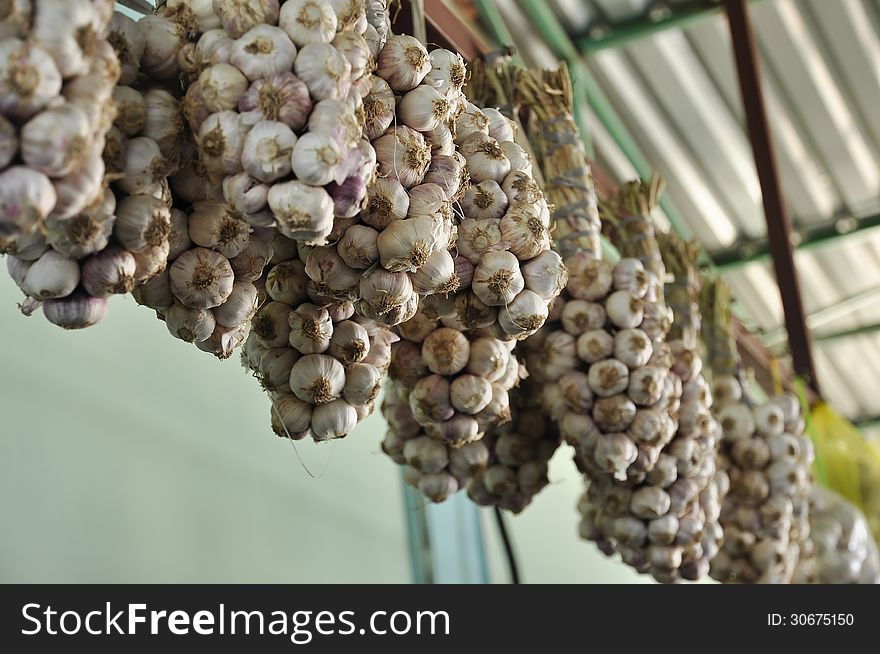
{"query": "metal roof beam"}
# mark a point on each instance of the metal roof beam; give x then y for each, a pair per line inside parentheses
(778, 220)
(657, 18)
(863, 330)
(807, 238)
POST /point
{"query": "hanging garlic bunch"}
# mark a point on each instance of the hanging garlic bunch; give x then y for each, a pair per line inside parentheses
(274, 100)
(320, 364)
(456, 382)
(434, 467)
(80, 243)
(767, 457)
(668, 524)
(394, 246)
(845, 551)
(519, 453)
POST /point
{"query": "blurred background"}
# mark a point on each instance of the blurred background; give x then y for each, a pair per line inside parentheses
(127, 456)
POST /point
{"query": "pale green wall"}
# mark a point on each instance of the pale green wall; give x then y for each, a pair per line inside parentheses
(127, 456)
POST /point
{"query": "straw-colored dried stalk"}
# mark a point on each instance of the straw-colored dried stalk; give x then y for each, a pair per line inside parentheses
(547, 95)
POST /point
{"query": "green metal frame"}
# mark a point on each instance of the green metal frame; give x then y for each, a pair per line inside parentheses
(810, 238)
(677, 16)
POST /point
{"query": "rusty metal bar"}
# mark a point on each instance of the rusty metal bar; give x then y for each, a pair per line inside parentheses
(452, 30)
(778, 221)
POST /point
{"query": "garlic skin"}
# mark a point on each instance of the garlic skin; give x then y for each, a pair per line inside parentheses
(263, 51)
(51, 276)
(324, 70)
(239, 307)
(497, 279)
(333, 420)
(403, 155)
(379, 108)
(317, 379)
(189, 325)
(8, 142)
(387, 201)
(405, 245)
(163, 122)
(221, 139)
(310, 329)
(448, 72)
(110, 272)
(29, 78)
(308, 21)
(27, 197)
(403, 63)
(267, 150)
(201, 278)
(424, 108)
(282, 97)
(303, 212)
(142, 222)
(76, 311)
(163, 38)
(239, 16)
(212, 225)
(54, 141)
(317, 159)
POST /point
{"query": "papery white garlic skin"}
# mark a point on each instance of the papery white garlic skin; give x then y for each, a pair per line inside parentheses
(267, 150)
(263, 51)
(310, 329)
(333, 420)
(55, 140)
(142, 222)
(403, 155)
(423, 109)
(362, 384)
(524, 315)
(387, 201)
(201, 278)
(27, 197)
(308, 21)
(238, 307)
(403, 63)
(127, 39)
(448, 72)
(51, 276)
(189, 325)
(485, 200)
(282, 97)
(29, 78)
(303, 212)
(317, 159)
(317, 379)
(324, 70)
(221, 140)
(497, 278)
(163, 38)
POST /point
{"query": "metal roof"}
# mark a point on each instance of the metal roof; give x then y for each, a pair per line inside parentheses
(676, 92)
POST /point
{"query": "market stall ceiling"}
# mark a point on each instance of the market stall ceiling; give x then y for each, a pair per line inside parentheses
(676, 91)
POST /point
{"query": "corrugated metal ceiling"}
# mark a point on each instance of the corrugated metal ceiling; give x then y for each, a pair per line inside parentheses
(677, 94)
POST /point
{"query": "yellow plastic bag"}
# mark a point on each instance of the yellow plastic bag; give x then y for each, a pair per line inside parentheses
(846, 462)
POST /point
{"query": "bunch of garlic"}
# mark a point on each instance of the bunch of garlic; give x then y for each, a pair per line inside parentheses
(519, 453)
(81, 242)
(321, 365)
(508, 274)
(395, 248)
(274, 100)
(765, 515)
(605, 370)
(210, 289)
(433, 467)
(457, 382)
(845, 551)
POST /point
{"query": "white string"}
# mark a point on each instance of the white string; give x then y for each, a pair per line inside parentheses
(296, 451)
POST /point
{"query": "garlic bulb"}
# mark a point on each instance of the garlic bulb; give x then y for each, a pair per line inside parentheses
(26, 199)
(325, 71)
(282, 97)
(308, 21)
(55, 141)
(403, 155)
(201, 278)
(189, 325)
(29, 78)
(51, 276)
(111, 272)
(267, 150)
(76, 311)
(212, 225)
(263, 51)
(403, 63)
(303, 212)
(163, 38)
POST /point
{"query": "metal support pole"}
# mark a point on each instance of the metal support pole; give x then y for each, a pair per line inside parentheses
(778, 222)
